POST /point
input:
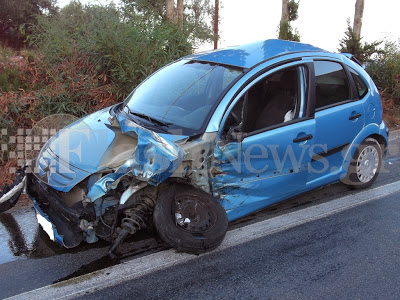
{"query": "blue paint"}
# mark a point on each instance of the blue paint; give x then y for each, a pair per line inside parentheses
(248, 55)
(263, 174)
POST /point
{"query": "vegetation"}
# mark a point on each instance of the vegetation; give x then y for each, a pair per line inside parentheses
(289, 14)
(352, 44)
(385, 71)
(194, 18)
(122, 53)
(17, 18)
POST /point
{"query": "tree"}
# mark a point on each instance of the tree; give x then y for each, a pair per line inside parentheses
(174, 14)
(194, 17)
(170, 10)
(352, 44)
(179, 7)
(17, 18)
(358, 14)
(289, 13)
(285, 13)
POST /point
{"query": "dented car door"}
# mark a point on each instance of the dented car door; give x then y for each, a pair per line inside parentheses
(271, 145)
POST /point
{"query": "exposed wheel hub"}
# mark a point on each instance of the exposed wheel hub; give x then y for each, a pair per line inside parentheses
(191, 213)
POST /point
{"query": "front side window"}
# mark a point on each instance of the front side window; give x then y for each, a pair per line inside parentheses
(182, 95)
(271, 101)
(332, 85)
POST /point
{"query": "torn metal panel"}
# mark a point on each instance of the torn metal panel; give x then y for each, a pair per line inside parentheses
(153, 160)
(198, 161)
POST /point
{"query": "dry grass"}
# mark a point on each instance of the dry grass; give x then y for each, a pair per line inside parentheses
(73, 87)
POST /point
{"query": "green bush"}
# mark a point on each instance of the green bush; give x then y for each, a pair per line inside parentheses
(385, 71)
(123, 52)
(9, 80)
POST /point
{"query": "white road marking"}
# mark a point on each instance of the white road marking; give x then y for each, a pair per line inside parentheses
(141, 266)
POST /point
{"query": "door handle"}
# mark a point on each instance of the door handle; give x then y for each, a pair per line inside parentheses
(303, 138)
(355, 116)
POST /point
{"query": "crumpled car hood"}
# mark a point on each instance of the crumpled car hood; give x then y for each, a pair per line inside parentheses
(84, 142)
(92, 145)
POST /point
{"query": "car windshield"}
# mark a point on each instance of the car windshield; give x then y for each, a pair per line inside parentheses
(182, 95)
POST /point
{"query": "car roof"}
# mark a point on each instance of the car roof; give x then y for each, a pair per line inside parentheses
(249, 55)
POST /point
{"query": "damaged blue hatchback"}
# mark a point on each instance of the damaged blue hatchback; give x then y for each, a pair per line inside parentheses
(206, 140)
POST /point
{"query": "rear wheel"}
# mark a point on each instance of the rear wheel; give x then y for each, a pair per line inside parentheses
(189, 219)
(365, 165)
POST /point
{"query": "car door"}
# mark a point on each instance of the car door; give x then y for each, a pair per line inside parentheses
(339, 117)
(264, 148)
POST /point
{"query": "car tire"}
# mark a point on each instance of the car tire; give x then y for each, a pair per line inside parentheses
(365, 165)
(189, 219)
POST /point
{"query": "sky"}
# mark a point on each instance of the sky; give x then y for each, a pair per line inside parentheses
(321, 23)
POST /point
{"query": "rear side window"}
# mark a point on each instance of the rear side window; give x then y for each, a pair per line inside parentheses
(361, 86)
(332, 85)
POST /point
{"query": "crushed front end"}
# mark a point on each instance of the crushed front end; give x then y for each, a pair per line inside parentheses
(98, 178)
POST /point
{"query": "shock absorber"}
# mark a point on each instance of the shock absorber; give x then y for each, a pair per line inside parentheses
(135, 219)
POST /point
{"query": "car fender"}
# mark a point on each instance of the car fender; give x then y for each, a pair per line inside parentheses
(370, 129)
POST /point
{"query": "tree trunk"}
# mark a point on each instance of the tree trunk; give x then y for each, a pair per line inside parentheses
(284, 17)
(179, 7)
(170, 10)
(285, 11)
(358, 18)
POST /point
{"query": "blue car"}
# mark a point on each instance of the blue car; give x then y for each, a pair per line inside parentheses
(208, 139)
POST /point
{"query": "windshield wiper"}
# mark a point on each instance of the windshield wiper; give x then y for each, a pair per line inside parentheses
(146, 117)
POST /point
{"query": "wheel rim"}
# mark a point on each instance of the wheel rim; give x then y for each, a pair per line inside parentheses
(192, 213)
(367, 164)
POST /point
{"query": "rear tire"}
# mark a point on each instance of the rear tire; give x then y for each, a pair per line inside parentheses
(365, 165)
(189, 219)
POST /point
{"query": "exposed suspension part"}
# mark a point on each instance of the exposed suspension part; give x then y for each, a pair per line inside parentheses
(135, 219)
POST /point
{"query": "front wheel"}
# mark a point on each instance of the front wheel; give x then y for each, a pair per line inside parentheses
(365, 165)
(189, 219)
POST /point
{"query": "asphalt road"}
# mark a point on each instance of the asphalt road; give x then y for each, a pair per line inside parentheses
(355, 252)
